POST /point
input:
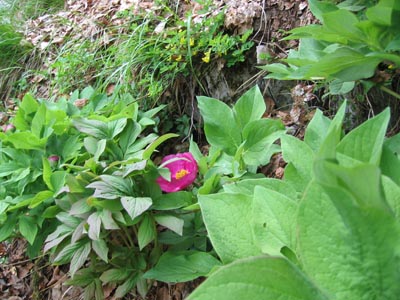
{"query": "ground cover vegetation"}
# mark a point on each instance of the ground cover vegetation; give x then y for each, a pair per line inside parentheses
(85, 181)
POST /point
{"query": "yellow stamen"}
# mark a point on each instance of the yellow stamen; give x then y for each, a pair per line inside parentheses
(181, 173)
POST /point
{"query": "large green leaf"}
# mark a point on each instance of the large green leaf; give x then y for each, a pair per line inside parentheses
(364, 144)
(78, 259)
(258, 278)
(317, 130)
(171, 222)
(344, 23)
(26, 140)
(220, 125)
(259, 136)
(274, 220)
(182, 266)
(228, 219)
(348, 250)
(111, 187)
(247, 186)
(146, 232)
(300, 156)
(249, 107)
(135, 206)
(392, 195)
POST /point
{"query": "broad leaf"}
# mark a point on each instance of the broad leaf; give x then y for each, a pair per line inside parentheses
(220, 125)
(28, 228)
(249, 107)
(228, 219)
(274, 220)
(79, 258)
(182, 266)
(349, 251)
(135, 206)
(259, 135)
(100, 247)
(171, 222)
(316, 130)
(259, 278)
(300, 156)
(364, 144)
(147, 232)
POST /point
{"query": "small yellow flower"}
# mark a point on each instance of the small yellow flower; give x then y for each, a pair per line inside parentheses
(182, 41)
(206, 57)
(191, 42)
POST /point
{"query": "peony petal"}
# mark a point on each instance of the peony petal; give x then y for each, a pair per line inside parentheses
(186, 168)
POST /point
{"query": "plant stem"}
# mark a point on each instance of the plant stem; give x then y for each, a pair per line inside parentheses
(390, 92)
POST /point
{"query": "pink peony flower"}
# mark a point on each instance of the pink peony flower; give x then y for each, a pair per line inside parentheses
(183, 168)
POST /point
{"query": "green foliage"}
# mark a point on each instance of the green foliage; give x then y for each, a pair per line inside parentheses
(331, 226)
(80, 184)
(346, 48)
(240, 139)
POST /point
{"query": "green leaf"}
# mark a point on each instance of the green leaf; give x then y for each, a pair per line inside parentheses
(228, 219)
(7, 168)
(79, 258)
(100, 247)
(127, 286)
(114, 275)
(152, 147)
(38, 121)
(364, 144)
(95, 147)
(82, 278)
(343, 22)
(173, 200)
(94, 128)
(7, 228)
(247, 186)
(249, 107)
(357, 243)
(318, 8)
(220, 125)
(66, 253)
(47, 173)
(94, 223)
(26, 140)
(385, 13)
(259, 136)
(392, 195)
(108, 220)
(29, 104)
(182, 266)
(338, 87)
(327, 149)
(390, 162)
(274, 220)
(57, 180)
(173, 223)
(129, 136)
(147, 232)
(28, 228)
(40, 197)
(317, 130)
(135, 206)
(345, 64)
(115, 127)
(300, 156)
(258, 278)
(111, 187)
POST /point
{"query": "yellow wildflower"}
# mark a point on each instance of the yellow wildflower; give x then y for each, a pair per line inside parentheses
(206, 57)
